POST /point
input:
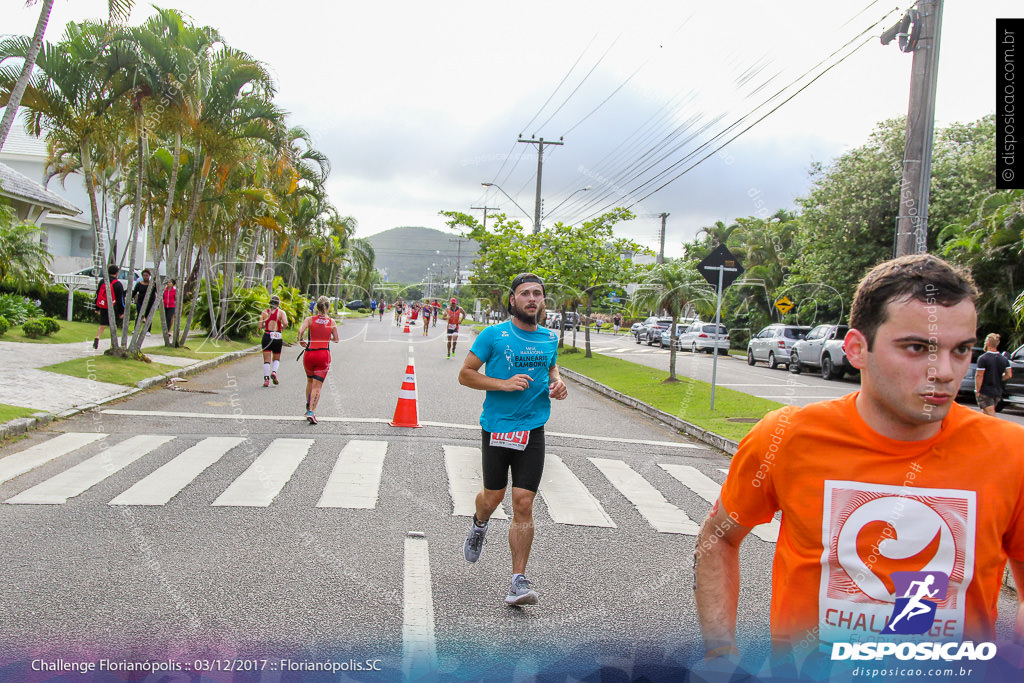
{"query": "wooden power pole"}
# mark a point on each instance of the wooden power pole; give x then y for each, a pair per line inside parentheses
(918, 32)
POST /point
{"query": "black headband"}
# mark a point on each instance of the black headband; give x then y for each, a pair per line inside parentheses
(523, 279)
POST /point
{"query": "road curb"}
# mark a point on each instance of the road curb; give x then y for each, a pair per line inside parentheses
(710, 438)
(22, 425)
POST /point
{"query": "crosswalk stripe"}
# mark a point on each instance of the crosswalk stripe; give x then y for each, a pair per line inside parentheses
(355, 479)
(267, 475)
(86, 474)
(40, 454)
(708, 489)
(662, 515)
(465, 480)
(168, 480)
(419, 646)
(568, 500)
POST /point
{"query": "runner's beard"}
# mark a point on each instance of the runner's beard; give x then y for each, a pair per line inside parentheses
(527, 318)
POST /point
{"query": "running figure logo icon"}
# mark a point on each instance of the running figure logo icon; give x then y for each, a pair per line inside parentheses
(917, 596)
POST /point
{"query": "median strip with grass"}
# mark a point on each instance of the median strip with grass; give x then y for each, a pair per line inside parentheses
(109, 369)
(687, 399)
(8, 413)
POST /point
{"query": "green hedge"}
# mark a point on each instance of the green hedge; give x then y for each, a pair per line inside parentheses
(54, 302)
(4, 325)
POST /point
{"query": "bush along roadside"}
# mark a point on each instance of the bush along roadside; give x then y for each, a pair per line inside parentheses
(34, 329)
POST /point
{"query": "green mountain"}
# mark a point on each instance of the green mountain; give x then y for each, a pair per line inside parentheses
(413, 254)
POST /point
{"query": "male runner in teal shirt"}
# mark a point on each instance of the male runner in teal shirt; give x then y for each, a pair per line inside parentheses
(521, 379)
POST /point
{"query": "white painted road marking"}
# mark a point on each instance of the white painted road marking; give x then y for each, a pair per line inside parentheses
(662, 515)
(708, 489)
(264, 479)
(86, 474)
(568, 500)
(168, 481)
(355, 480)
(465, 479)
(419, 647)
(383, 420)
(42, 453)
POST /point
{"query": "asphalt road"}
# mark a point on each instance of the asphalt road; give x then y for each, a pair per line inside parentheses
(191, 579)
(211, 574)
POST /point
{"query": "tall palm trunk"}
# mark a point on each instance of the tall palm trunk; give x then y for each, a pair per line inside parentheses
(228, 288)
(26, 72)
(199, 186)
(90, 188)
(136, 223)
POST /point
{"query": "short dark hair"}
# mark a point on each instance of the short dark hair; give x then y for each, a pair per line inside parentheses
(146, 270)
(920, 277)
(113, 270)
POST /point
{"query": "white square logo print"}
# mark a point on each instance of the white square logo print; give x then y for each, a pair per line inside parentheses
(870, 531)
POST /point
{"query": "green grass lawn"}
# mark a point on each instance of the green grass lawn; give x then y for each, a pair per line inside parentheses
(13, 412)
(689, 399)
(102, 368)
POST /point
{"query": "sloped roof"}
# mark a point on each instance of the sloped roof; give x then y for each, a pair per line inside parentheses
(20, 143)
(21, 187)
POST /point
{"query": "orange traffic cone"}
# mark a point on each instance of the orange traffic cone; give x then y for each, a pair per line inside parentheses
(406, 330)
(406, 412)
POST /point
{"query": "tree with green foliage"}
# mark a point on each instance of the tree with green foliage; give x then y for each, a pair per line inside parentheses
(581, 262)
(23, 257)
(671, 286)
(990, 244)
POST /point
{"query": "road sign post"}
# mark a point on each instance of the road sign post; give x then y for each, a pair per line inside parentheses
(722, 266)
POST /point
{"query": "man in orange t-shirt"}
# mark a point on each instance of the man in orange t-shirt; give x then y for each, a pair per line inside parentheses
(896, 477)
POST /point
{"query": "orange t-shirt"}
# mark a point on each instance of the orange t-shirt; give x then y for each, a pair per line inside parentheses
(857, 506)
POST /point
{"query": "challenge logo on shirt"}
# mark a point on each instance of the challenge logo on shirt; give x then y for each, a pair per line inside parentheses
(871, 533)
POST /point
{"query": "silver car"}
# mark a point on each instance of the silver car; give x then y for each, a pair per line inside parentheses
(806, 353)
(773, 344)
(702, 336)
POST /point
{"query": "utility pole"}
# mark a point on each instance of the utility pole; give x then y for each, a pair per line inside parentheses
(458, 259)
(485, 209)
(919, 32)
(540, 168)
(661, 239)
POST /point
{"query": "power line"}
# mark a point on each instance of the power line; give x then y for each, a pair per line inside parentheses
(740, 121)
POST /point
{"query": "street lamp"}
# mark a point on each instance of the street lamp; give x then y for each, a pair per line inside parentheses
(582, 189)
(506, 194)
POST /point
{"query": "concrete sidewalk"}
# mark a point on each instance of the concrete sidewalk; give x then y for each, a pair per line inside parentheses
(54, 394)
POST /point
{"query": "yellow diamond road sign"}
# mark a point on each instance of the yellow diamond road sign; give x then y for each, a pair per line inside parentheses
(785, 305)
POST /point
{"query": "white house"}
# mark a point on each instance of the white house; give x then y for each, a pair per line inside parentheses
(62, 208)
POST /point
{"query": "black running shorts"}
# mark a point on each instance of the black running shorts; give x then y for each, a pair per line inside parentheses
(527, 466)
(272, 345)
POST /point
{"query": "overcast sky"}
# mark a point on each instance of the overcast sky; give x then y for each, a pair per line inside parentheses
(416, 103)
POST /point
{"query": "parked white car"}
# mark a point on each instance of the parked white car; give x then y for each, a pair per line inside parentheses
(703, 336)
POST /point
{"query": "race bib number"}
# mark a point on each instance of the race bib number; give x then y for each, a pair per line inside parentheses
(515, 440)
(274, 335)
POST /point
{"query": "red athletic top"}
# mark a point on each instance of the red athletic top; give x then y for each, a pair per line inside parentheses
(272, 317)
(320, 329)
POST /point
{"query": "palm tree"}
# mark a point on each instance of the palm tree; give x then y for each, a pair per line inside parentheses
(69, 97)
(117, 10)
(670, 286)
